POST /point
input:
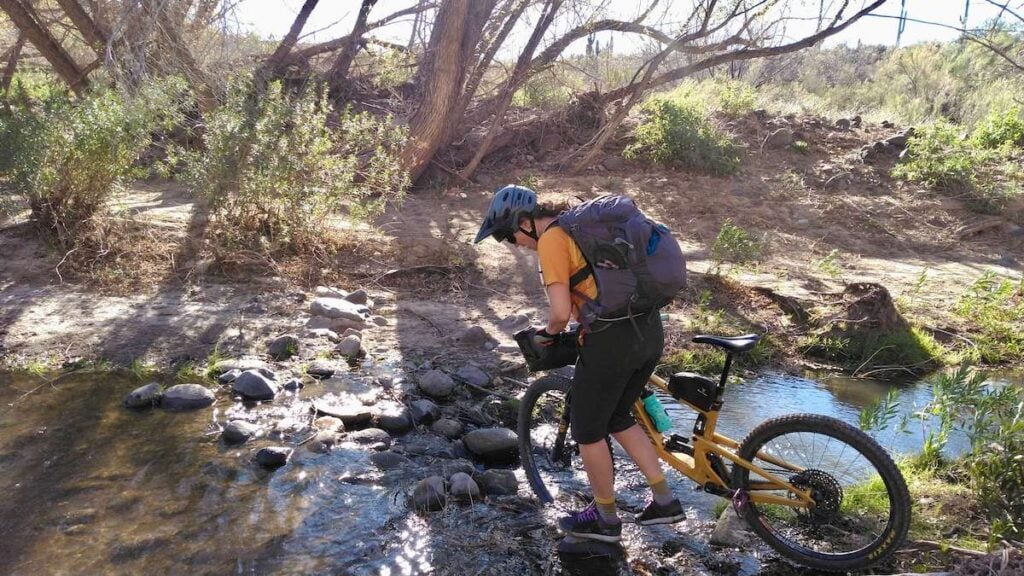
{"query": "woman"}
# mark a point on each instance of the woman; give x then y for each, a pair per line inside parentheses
(615, 360)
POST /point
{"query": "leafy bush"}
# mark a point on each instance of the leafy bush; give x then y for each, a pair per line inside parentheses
(939, 158)
(277, 165)
(1000, 130)
(733, 244)
(996, 308)
(67, 157)
(677, 131)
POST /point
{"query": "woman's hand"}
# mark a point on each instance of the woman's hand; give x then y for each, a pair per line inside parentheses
(559, 307)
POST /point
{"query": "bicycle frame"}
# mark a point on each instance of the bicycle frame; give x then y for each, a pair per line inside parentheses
(697, 465)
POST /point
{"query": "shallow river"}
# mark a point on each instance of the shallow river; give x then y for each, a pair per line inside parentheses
(89, 487)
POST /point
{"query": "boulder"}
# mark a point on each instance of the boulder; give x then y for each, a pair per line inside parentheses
(350, 347)
(373, 437)
(843, 124)
(731, 530)
(493, 445)
(390, 461)
(187, 397)
(329, 423)
(238, 431)
(436, 384)
(474, 375)
(397, 421)
(229, 376)
(424, 411)
(293, 384)
(358, 297)
(463, 488)
(477, 337)
(428, 495)
(283, 347)
(273, 456)
(352, 415)
(339, 308)
(251, 385)
(240, 364)
(447, 427)
(499, 482)
(144, 397)
(322, 368)
(780, 138)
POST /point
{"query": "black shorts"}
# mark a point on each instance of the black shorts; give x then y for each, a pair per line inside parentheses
(613, 366)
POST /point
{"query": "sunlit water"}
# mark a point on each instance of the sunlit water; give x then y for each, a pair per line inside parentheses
(89, 487)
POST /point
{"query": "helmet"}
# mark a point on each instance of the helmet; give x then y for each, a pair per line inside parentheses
(508, 206)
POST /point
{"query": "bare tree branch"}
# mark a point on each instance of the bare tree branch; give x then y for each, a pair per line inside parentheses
(277, 59)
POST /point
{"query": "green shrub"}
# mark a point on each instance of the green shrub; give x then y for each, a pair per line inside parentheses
(734, 245)
(677, 131)
(995, 306)
(67, 157)
(277, 165)
(939, 158)
(1000, 130)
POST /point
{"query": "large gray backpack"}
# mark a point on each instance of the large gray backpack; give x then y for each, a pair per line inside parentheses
(637, 264)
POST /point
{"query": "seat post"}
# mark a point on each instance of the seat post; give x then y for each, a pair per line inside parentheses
(725, 374)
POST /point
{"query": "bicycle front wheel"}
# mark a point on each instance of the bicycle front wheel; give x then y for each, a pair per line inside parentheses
(861, 510)
(550, 458)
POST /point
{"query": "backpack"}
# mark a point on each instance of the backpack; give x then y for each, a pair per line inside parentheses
(636, 263)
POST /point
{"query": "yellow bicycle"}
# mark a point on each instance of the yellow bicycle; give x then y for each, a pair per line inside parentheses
(819, 491)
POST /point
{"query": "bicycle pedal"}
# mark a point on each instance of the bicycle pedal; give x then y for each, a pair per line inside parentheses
(677, 443)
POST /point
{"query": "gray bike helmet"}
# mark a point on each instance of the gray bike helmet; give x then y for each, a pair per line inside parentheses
(509, 205)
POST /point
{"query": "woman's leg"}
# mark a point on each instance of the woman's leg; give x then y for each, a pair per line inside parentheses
(597, 461)
(639, 448)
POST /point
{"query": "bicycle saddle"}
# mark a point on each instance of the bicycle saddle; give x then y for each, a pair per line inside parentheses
(730, 343)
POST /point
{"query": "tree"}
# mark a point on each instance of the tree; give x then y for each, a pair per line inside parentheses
(63, 64)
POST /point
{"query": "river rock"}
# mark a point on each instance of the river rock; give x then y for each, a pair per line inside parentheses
(436, 384)
(372, 437)
(474, 375)
(322, 368)
(144, 397)
(340, 309)
(499, 482)
(187, 397)
(424, 411)
(293, 384)
(779, 139)
(843, 124)
(325, 333)
(395, 421)
(353, 332)
(283, 347)
(390, 461)
(358, 297)
(229, 376)
(329, 423)
(323, 442)
(240, 364)
(238, 431)
(428, 495)
(494, 445)
(463, 488)
(273, 456)
(428, 445)
(447, 427)
(476, 336)
(333, 324)
(379, 321)
(352, 415)
(252, 385)
(731, 530)
(350, 347)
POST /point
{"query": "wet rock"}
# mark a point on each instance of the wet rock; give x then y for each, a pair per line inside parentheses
(395, 421)
(476, 336)
(251, 385)
(283, 347)
(229, 376)
(436, 384)
(293, 384)
(731, 530)
(463, 488)
(238, 431)
(144, 397)
(493, 445)
(424, 411)
(358, 297)
(379, 321)
(325, 333)
(428, 445)
(843, 124)
(322, 368)
(323, 442)
(240, 364)
(474, 375)
(428, 495)
(373, 437)
(273, 456)
(350, 347)
(779, 139)
(353, 416)
(187, 397)
(499, 482)
(447, 427)
(329, 423)
(339, 309)
(390, 461)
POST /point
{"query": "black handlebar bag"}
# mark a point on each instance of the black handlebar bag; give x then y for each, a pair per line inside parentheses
(562, 352)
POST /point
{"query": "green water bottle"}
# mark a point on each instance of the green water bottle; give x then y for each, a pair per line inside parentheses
(656, 411)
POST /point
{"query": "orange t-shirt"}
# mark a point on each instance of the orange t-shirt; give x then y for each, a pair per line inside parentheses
(560, 258)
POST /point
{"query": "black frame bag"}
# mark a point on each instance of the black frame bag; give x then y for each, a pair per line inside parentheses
(561, 352)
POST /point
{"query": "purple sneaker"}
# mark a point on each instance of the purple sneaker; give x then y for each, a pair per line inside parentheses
(587, 523)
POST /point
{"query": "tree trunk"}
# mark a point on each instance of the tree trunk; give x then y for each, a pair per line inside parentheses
(273, 65)
(85, 25)
(12, 63)
(46, 44)
(339, 71)
(453, 40)
(206, 100)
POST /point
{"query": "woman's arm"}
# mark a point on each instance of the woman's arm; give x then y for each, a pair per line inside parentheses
(559, 307)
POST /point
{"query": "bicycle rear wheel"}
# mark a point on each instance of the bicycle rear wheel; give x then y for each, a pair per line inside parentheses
(550, 458)
(862, 506)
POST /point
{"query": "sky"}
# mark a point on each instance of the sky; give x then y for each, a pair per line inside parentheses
(333, 18)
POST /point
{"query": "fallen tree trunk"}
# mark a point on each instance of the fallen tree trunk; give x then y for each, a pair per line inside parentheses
(46, 44)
